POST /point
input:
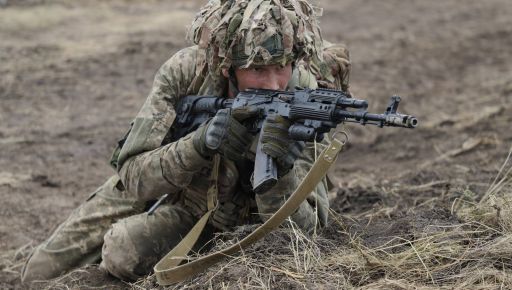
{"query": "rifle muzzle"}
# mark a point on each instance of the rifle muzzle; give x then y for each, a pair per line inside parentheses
(399, 120)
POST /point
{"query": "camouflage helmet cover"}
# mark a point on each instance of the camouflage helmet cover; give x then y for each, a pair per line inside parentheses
(241, 33)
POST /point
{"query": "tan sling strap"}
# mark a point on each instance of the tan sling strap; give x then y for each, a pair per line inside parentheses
(168, 270)
(180, 251)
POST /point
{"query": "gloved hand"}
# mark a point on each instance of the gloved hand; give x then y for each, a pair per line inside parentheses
(225, 134)
(276, 142)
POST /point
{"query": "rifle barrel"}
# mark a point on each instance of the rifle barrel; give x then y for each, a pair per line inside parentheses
(392, 120)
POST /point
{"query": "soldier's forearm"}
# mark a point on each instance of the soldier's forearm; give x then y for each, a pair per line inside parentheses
(167, 169)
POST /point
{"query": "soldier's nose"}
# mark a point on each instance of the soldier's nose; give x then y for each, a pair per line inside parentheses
(272, 83)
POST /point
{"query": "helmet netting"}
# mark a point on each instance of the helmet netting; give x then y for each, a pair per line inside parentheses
(242, 33)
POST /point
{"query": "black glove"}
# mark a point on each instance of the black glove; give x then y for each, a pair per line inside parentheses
(276, 142)
(225, 134)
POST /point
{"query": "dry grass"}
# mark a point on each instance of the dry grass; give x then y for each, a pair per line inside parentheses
(11, 263)
(469, 247)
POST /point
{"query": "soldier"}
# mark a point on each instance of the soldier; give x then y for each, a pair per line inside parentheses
(265, 44)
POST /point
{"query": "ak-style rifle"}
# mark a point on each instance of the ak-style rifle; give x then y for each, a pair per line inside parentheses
(312, 112)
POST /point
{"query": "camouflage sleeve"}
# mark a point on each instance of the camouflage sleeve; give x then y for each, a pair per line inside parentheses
(313, 212)
(146, 168)
(334, 70)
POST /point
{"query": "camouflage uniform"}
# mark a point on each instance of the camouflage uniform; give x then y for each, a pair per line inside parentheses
(112, 224)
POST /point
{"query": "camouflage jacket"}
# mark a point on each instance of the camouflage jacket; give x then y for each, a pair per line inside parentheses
(149, 168)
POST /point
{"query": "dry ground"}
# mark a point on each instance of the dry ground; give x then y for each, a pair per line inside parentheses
(73, 74)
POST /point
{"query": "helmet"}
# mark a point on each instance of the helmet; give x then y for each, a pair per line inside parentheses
(241, 33)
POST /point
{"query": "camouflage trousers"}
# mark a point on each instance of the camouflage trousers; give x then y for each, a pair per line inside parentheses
(111, 227)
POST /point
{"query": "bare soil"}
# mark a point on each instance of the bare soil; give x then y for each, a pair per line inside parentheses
(74, 74)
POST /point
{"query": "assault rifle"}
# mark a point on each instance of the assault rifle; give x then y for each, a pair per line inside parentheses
(313, 113)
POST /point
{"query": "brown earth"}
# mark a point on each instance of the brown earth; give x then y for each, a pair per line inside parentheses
(72, 75)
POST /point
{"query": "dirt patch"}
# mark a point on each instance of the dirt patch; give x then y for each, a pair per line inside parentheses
(89, 277)
(75, 74)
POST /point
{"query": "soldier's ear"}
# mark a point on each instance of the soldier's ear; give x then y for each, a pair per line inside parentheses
(225, 73)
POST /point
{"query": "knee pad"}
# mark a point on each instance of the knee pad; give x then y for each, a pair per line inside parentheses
(119, 254)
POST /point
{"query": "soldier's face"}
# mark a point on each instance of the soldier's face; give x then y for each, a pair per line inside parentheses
(272, 77)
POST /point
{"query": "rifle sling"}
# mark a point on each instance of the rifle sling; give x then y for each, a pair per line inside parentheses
(168, 270)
